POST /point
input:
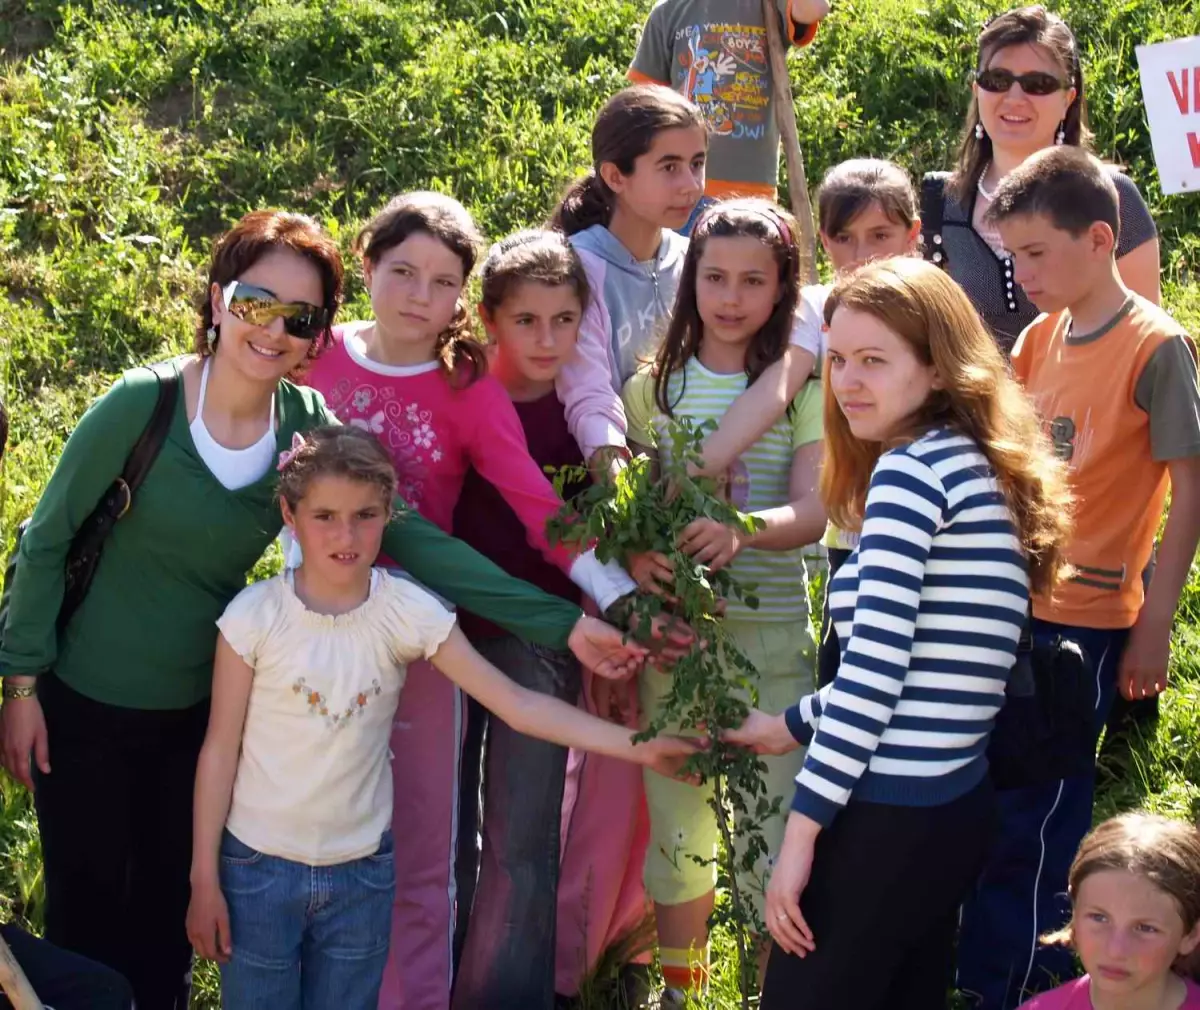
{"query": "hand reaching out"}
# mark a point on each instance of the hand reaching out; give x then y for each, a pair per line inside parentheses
(671, 638)
(652, 572)
(710, 542)
(668, 754)
(605, 650)
(763, 734)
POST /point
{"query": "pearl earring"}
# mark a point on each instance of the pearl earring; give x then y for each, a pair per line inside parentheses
(979, 131)
(1061, 136)
(210, 339)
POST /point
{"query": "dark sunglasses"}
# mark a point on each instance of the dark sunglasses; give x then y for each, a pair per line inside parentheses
(258, 307)
(1035, 82)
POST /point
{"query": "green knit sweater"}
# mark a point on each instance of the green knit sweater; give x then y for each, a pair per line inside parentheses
(145, 635)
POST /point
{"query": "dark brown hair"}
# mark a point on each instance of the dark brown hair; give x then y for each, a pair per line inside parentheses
(462, 356)
(625, 130)
(253, 237)
(545, 257)
(979, 399)
(1035, 26)
(777, 230)
(851, 187)
(336, 451)
(1165, 852)
(1064, 184)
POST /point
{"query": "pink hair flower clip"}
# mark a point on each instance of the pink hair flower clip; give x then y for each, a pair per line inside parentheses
(288, 455)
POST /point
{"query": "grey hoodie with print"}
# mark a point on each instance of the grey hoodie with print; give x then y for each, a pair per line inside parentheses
(622, 327)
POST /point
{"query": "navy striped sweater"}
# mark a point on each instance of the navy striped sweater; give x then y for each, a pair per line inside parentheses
(928, 610)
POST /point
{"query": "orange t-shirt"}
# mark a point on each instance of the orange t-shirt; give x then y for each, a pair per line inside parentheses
(1116, 404)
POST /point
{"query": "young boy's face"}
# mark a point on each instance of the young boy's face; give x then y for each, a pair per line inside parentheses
(1056, 268)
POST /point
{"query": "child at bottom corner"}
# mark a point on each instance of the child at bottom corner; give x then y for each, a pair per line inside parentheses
(1135, 920)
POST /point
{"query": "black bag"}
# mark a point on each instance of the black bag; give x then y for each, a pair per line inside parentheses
(1044, 732)
(933, 203)
(88, 543)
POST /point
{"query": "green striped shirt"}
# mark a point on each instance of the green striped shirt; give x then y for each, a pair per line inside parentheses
(758, 478)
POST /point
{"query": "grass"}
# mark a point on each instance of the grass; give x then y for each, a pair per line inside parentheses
(131, 133)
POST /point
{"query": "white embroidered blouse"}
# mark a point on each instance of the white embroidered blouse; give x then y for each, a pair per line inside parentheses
(314, 780)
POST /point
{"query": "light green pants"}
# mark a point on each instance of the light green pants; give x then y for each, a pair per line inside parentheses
(682, 823)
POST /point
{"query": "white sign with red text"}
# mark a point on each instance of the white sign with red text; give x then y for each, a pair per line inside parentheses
(1171, 90)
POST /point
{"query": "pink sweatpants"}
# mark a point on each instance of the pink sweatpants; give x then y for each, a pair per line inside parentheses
(605, 833)
(427, 740)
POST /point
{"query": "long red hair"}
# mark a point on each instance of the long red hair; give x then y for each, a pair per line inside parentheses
(979, 398)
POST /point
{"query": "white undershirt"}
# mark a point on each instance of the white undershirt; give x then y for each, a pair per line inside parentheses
(234, 468)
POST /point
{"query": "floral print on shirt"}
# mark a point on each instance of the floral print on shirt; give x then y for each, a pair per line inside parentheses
(319, 706)
(404, 427)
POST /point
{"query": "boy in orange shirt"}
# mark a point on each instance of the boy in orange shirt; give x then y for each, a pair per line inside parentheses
(714, 53)
(1114, 376)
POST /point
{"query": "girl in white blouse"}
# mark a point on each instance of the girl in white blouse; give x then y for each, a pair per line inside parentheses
(292, 874)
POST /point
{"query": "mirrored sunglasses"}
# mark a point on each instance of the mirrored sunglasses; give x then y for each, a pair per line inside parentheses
(258, 307)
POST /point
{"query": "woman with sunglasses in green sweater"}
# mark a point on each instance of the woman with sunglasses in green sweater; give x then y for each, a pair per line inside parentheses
(110, 711)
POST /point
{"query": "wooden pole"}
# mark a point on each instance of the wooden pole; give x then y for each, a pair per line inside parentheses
(785, 116)
(14, 983)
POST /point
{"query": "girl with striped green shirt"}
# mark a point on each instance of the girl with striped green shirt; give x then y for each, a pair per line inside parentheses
(732, 319)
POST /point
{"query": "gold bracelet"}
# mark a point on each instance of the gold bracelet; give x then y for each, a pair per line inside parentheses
(14, 691)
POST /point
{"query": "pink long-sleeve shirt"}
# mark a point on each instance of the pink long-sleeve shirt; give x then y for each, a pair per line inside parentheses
(435, 433)
(1076, 995)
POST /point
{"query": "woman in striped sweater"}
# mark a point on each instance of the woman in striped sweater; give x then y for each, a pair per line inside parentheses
(932, 449)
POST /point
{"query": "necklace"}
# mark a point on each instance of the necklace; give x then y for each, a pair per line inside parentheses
(979, 185)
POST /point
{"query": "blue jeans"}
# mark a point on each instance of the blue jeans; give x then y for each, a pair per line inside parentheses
(305, 937)
(1022, 892)
(507, 960)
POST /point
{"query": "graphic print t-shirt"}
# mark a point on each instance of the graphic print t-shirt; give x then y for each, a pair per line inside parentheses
(714, 53)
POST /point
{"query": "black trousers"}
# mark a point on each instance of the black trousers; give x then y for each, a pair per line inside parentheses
(64, 980)
(115, 818)
(882, 902)
(829, 653)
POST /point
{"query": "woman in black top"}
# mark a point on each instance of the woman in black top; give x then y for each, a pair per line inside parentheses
(1008, 120)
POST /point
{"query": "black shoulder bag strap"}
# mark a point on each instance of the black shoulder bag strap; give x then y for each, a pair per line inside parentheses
(933, 203)
(84, 554)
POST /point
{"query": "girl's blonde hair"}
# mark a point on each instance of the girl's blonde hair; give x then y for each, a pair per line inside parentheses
(334, 451)
(979, 398)
(462, 356)
(1163, 851)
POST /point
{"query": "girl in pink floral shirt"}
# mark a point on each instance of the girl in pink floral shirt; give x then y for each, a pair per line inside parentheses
(416, 379)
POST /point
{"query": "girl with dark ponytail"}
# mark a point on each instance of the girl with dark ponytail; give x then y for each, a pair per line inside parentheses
(649, 147)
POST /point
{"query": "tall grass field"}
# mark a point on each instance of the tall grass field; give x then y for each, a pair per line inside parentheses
(133, 132)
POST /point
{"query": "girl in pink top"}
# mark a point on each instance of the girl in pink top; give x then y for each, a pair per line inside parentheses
(416, 379)
(1135, 895)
